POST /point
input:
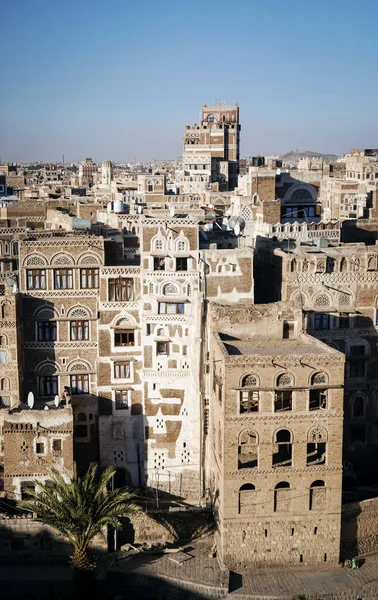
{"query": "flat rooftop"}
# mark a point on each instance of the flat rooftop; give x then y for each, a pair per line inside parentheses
(265, 346)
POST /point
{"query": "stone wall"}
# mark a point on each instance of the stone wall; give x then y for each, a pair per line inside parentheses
(23, 539)
(359, 528)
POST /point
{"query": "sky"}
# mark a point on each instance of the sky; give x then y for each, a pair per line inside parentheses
(120, 79)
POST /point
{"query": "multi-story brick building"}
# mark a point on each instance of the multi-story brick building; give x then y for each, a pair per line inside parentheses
(211, 151)
(337, 288)
(276, 420)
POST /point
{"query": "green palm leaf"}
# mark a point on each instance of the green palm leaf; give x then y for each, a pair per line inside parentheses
(81, 508)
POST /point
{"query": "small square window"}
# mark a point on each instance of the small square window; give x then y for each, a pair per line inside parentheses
(161, 348)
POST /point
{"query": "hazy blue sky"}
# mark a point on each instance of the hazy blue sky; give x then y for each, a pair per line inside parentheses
(121, 78)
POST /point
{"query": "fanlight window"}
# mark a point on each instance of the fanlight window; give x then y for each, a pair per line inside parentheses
(318, 396)
(170, 289)
(301, 194)
(249, 398)
(316, 446)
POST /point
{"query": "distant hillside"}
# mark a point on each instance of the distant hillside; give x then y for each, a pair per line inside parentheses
(293, 157)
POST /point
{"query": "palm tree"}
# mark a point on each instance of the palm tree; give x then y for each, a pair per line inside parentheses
(80, 509)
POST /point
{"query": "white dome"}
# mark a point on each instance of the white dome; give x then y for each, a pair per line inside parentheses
(106, 163)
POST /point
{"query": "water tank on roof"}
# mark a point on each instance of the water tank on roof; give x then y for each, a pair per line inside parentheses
(82, 224)
(118, 206)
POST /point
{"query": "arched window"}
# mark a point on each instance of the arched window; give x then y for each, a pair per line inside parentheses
(318, 395)
(4, 384)
(358, 407)
(3, 340)
(305, 266)
(150, 186)
(316, 446)
(189, 289)
(249, 395)
(151, 287)
(282, 449)
(293, 265)
(282, 497)
(246, 498)
(283, 397)
(318, 498)
(343, 265)
(247, 450)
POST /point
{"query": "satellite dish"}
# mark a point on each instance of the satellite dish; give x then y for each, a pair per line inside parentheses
(30, 400)
(46, 407)
(237, 229)
(56, 401)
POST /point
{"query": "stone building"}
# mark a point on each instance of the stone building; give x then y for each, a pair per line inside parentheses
(211, 151)
(33, 442)
(337, 289)
(275, 443)
(59, 280)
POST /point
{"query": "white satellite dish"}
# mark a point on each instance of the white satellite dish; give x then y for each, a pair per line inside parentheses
(237, 229)
(56, 401)
(30, 400)
(46, 407)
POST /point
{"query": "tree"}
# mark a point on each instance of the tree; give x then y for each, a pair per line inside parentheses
(80, 509)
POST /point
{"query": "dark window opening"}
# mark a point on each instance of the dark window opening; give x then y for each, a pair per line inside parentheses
(318, 399)
(40, 448)
(124, 337)
(282, 400)
(249, 401)
(122, 400)
(159, 263)
(48, 385)
(181, 264)
(57, 445)
(316, 453)
(46, 331)
(358, 407)
(282, 452)
(321, 321)
(162, 348)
